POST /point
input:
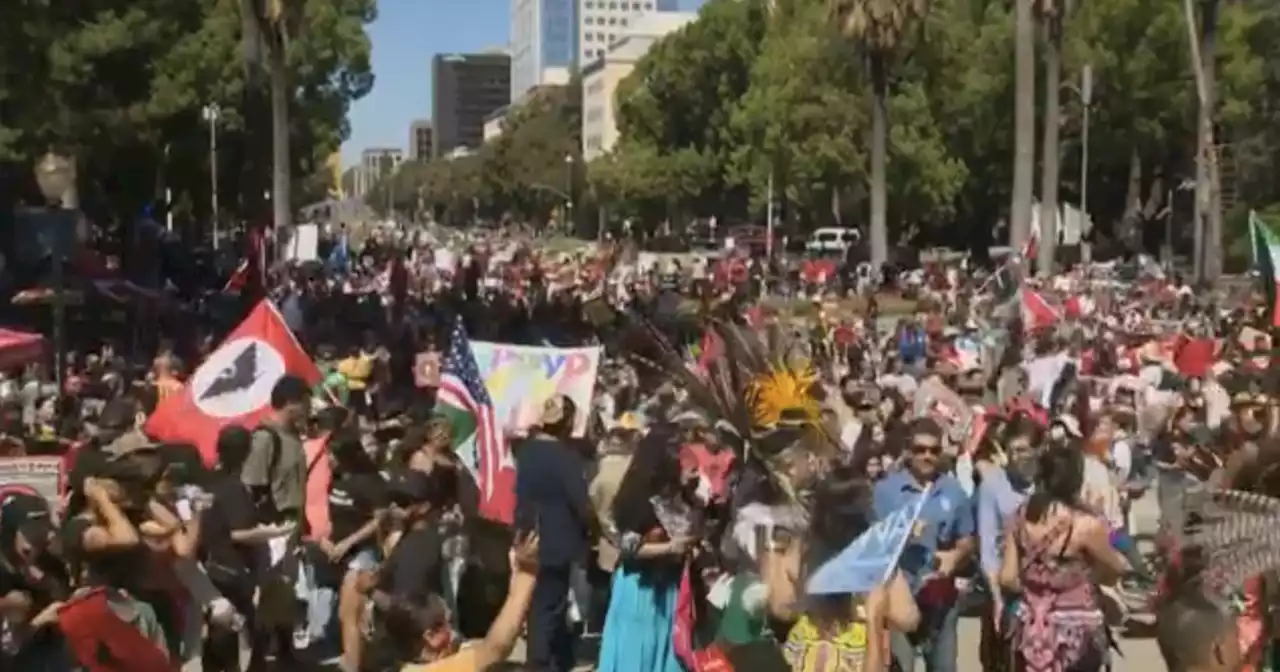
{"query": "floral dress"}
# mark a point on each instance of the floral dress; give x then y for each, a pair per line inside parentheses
(1059, 626)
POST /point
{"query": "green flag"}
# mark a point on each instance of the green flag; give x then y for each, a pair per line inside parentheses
(1266, 255)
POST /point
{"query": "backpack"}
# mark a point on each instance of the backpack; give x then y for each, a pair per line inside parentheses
(278, 604)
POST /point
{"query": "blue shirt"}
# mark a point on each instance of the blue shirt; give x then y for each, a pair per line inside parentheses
(997, 502)
(911, 345)
(947, 517)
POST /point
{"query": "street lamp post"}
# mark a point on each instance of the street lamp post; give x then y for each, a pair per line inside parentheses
(568, 192)
(1086, 99)
(212, 113)
(55, 175)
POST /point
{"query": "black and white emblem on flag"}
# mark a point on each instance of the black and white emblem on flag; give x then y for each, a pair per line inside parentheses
(237, 378)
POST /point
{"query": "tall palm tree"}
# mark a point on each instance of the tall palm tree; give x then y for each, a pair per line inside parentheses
(878, 26)
(1051, 13)
(1024, 122)
(266, 28)
(1208, 209)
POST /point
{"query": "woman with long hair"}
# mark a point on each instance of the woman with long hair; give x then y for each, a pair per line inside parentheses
(654, 529)
(834, 633)
(1056, 549)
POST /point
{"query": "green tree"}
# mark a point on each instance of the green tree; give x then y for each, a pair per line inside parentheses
(683, 95)
(879, 27)
(802, 116)
(1052, 14)
(1024, 133)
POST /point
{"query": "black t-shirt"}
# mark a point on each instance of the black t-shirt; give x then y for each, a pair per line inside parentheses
(352, 500)
(415, 569)
(232, 511)
(119, 569)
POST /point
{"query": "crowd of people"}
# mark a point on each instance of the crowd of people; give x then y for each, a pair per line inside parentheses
(736, 456)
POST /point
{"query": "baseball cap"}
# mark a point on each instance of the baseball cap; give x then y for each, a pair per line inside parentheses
(29, 514)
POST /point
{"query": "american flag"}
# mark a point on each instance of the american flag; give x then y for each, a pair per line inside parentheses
(462, 389)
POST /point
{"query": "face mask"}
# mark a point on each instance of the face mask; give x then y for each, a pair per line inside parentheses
(1058, 433)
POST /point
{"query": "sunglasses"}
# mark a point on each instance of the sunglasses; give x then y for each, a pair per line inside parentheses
(931, 448)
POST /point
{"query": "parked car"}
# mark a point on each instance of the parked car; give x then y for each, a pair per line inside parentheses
(831, 239)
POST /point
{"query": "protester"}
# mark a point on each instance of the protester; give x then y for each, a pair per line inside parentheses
(707, 460)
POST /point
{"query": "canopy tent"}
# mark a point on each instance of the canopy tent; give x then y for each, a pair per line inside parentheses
(19, 348)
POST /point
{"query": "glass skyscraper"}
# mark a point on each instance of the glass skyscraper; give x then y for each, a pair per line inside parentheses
(551, 37)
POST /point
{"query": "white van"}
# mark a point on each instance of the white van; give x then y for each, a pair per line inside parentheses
(832, 239)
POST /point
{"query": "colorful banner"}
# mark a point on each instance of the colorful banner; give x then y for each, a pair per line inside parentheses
(36, 475)
(521, 377)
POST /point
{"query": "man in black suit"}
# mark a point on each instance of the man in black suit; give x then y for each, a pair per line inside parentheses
(551, 496)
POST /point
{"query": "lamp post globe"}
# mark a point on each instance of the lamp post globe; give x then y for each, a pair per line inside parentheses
(54, 175)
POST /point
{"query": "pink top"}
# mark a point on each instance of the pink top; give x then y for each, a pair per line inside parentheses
(319, 478)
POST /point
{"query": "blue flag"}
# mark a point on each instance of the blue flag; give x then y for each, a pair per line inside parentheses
(340, 257)
(871, 558)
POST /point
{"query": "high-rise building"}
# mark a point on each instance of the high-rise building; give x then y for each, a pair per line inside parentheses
(544, 43)
(465, 89)
(420, 140)
(601, 77)
(600, 22)
(376, 163)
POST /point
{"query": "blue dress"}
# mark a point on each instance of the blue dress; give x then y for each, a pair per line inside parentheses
(637, 628)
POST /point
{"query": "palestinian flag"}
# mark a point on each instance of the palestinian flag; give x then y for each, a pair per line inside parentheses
(1266, 259)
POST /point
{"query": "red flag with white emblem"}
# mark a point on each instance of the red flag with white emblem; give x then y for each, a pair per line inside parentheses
(233, 385)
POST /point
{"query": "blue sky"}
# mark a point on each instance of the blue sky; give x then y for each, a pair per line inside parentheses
(407, 34)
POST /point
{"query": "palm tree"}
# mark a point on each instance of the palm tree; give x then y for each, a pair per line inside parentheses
(266, 27)
(878, 26)
(1024, 122)
(1051, 14)
(1208, 209)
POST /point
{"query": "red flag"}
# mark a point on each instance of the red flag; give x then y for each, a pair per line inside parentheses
(233, 385)
(1194, 356)
(1036, 312)
(239, 279)
(249, 275)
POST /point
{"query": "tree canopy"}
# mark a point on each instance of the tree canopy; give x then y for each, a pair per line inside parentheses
(121, 84)
(761, 89)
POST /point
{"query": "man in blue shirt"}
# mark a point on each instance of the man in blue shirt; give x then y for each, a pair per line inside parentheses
(944, 539)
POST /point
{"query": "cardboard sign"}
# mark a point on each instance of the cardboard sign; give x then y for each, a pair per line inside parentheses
(35, 475)
(426, 369)
(520, 377)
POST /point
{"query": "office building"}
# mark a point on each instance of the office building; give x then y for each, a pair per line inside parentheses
(601, 77)
(600, 22)
(376, 163)
(544, 43)
(420, 140)
(465, 89)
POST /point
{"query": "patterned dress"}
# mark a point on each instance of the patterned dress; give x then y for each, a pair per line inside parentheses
(1059, 626)
(811, 649)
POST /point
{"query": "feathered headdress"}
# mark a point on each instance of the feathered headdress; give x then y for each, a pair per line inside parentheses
(757, 389)
(1226, 537)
